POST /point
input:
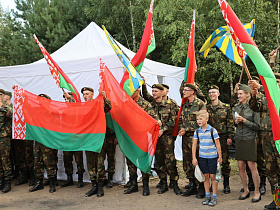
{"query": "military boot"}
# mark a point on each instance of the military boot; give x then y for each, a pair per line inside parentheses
(134, 185)
(146, 190)
(159, 184)
(7, 186)
(100, 190)
(47, 182)
(163, 187)
(2, 183)
(23, 178)
(171, 183)
(93, 189)
(32, 180)
(263, 185)
(192, 190)
(191, 182)
(226, 185)
(39, 186)
(128, 184)
(110, 180)
(271, 206)
(176, 188)
(80, 181)
(68, 182)
(201, 191)
(52, 185)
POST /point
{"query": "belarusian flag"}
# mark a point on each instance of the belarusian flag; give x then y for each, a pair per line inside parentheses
(271, 89)
(59, 125)
(61, 79)
(136, 131)
(147, 45)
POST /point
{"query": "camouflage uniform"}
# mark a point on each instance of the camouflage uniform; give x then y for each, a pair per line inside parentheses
(187, 120)
(221, 118)
(5, 141)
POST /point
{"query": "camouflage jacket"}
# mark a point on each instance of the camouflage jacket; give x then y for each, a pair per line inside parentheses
(147, 107)
(166, 114)
(221, 118)
(259, 104)
(6, 113)
(187, 119)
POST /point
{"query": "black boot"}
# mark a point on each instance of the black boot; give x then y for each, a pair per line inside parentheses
(134, 186)
(16, 173)
(146, 190)
(68, 182)
(226, 185)
(271, 206)
(32, 180)
(47, 182)
(171, 184)
(191, 182)
(110, 180)
(201, 191)
(176, 188)
(100, 191)
(93, 189)
(39, 186)
(7, 186)
(159, 184)
(128, 184)
(52, 185)
(2, 183)
(192, 189)
(263, 185)
(23, 178)
(163, 187)
(80, 181)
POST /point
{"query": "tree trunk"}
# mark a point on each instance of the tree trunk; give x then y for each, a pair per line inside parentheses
(132, 26)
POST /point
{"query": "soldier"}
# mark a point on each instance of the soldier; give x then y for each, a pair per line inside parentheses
(6, 113)
(187, 126)
(133, 187)
(68, 157)
(221, 118)
(165, 146)
(44, 157)
(96, 168)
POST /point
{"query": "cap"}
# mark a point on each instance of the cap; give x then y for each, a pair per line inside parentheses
(244, 87)
(44, 96)
(8, 93)
(2, 91)
(277, 75)
(213, 87)
(86, 88)
(192, 86)
(256, 78)
(158, 86)
(165, 86)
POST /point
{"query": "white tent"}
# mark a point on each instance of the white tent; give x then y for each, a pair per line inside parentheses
(80, 60)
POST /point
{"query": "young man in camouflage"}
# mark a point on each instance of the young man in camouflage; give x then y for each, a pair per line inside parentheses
(68, 156)
(187, 126)
(221, 118)
(6, 113)
(165, 157)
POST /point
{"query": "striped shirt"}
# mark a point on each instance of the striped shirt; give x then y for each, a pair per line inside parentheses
(207, 148)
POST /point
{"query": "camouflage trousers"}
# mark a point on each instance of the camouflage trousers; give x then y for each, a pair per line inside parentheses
(165, 158)
(44, 157)
(133, 170)
(260, 157)
(68, 158)
(272, 158)
(187, 155)
(24, 155)
(225, 155)
(5, 161)
(91, 165)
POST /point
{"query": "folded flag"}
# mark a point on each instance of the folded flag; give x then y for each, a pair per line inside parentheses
(59, 125)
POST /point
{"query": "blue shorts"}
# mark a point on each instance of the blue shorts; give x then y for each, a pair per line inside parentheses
(208, 165)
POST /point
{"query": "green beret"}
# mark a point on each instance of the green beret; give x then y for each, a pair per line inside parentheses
(244, 87)
(2, 91)
(158, 86)
(44, 96)
(86, 88)
(192, 86)
(277, 75)
(256, 78)
(165, 86)
(8, 93)
(213, 87)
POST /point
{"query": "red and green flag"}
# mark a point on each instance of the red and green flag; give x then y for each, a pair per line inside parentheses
(136, 131)
(61, 79)
(147, 45)
(271, 89)
(59, 125)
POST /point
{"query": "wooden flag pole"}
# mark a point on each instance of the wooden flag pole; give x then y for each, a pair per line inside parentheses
(246, 69)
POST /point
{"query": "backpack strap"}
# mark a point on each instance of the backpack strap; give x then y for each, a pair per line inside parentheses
(196, 131)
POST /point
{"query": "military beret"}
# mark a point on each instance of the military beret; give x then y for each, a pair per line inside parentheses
(165, 86)
(277, 75)
(256, 78)
(8, 93)
(192, 86)
(86, 88)
(44, 96)
(158, 86)
(244, 87)
(213, 87)
(70, 93)
(2, 91)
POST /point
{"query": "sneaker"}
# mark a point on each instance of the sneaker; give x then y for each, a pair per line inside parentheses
(213, 202)
(206, 201)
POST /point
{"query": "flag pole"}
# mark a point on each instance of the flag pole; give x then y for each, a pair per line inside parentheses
(246, 68)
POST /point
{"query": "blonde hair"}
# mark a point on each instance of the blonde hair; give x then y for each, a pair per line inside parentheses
(203, 113)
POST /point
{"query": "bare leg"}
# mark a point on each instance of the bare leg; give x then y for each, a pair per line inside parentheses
(214, 183)
(256, 178)
(243, 176)
(207, 183)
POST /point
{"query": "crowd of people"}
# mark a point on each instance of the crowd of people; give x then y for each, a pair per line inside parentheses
(207, 131)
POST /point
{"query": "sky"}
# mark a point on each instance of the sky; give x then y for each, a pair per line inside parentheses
(8, 4)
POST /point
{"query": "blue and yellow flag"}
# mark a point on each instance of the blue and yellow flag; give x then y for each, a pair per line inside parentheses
(134, 77)
(221, 38)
